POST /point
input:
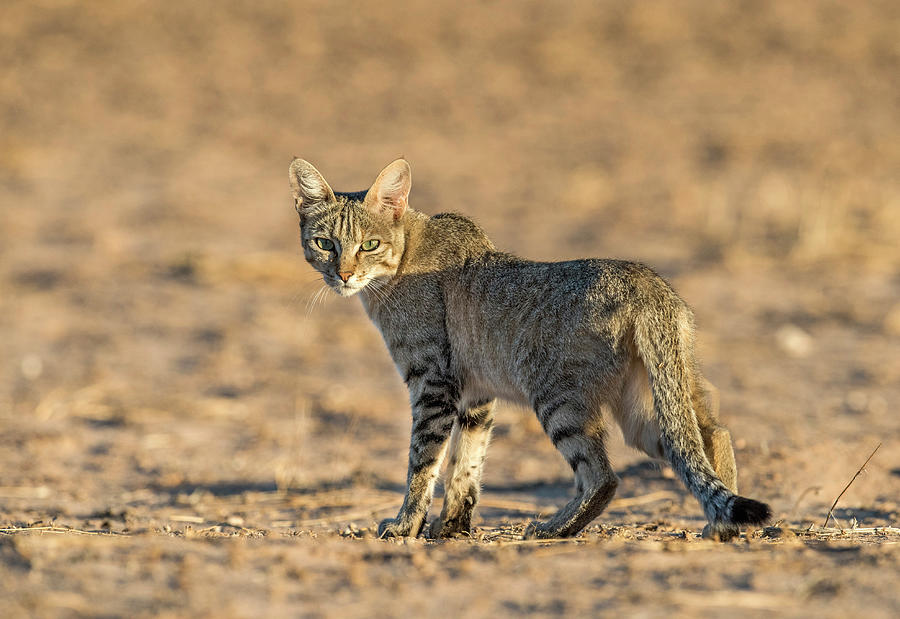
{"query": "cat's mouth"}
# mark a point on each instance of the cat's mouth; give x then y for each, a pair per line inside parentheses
(345, 289)
(348, 290)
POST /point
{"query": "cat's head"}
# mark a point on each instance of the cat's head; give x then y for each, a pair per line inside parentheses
(350, 239)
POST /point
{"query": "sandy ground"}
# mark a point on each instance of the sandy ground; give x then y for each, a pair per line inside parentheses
(185, 430)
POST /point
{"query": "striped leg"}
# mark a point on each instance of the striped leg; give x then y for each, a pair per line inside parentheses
(579, 436)
(471, 435)
(434, 410)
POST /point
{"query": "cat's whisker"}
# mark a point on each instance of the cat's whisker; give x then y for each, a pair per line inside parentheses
(306, 279)
(324, 297)
(320, 298)
(393, 306)
(315, 298)
(389, 310)
(309, 299)
(377, 287)
(298, 296)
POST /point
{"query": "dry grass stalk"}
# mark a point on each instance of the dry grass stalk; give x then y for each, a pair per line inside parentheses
(55, 529)
(858, 473)
(832, 531)
(811, 489)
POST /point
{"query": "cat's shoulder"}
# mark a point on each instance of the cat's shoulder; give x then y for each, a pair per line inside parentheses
(459, 229)
(452, 219)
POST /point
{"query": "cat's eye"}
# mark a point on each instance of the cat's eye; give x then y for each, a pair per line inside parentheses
(325, 244)
(370, 245)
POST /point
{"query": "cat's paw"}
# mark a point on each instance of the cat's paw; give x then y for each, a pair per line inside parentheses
(721, 532)
(451, 528)
(537, 530)
(397, 527)
(391, 527)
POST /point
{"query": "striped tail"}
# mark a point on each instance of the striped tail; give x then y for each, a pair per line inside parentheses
(665, 347)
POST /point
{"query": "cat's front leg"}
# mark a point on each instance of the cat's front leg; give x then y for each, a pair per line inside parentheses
(468, 446)
(434, 402)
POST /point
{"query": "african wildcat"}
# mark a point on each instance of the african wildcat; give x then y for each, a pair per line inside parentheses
(466, 324)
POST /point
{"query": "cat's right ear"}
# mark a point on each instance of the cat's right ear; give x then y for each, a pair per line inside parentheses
(308, 185)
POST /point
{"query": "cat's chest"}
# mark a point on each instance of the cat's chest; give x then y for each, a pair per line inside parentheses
(411, 324)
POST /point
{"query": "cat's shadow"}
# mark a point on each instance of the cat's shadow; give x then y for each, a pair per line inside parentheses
(499, 499)
(638, 478)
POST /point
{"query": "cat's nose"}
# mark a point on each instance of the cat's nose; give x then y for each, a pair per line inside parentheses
(345, 275)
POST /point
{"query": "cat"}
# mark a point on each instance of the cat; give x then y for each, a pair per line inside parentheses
(466, 325)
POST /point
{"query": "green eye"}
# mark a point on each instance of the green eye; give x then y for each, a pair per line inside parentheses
(370, 244)
(325, 244)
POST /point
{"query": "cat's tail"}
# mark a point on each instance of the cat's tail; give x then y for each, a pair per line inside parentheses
(664, 341)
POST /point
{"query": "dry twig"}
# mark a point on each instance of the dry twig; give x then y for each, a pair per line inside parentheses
(55, 529)
(858, 473)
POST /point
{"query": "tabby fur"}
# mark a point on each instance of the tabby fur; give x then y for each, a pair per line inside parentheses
(466, 325)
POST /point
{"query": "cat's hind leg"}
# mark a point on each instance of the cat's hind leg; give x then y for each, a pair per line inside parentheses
(718, 448)
(579, 435)
(716, 437)
(665, 347)
(462, 488)
(640, 426)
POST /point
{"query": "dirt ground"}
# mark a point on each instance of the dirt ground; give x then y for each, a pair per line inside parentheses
(187, 430)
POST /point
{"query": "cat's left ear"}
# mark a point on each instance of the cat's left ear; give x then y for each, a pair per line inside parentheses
(390, 191)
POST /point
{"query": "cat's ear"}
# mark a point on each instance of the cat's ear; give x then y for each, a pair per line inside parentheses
(307, 185)
(390, 191)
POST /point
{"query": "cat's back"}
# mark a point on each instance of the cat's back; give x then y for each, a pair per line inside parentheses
(512, 280)
(480, 282)
(503, 297)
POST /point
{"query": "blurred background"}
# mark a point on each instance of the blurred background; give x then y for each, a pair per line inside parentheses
(163, 348)
(158, 324)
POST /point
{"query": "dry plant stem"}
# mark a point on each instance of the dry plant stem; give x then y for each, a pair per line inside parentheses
(52, 529)
(858, 473)
(811, 489)
(831, 532)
